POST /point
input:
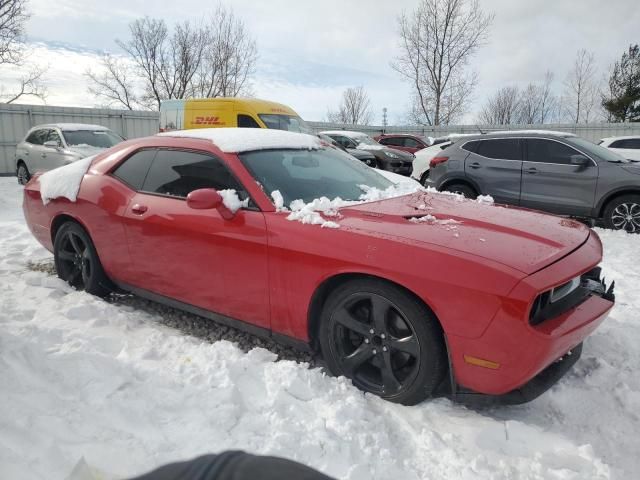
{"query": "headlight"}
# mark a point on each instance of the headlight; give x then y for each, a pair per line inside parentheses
(391, 154)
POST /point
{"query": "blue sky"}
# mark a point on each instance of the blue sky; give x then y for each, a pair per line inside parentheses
(311, 51)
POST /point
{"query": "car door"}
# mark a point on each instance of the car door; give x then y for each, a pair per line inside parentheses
(35, 151)
(551, 183)
(411, 145)
(495, 166)
(196, 256)
(53, 157)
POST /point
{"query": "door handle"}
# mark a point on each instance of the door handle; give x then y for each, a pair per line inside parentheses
(475, 165)
(139, 209)
(532, 171)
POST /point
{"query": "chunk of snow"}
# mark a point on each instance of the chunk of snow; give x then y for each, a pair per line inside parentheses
(485, 199)
(368, 146)
(312, 212)
(278, 201)
(425, 218)
(79, 126)
(231, 201)
(64, 181)
(236, 140)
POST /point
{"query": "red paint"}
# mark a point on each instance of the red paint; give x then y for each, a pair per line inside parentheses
(480, 279)
(421, 143)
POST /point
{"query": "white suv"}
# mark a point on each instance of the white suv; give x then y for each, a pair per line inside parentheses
(53, 145)
(628, 147)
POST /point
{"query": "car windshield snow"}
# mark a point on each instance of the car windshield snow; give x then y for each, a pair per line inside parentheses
(98, 138)
(311, 174)
(367, 140)
(290, 123)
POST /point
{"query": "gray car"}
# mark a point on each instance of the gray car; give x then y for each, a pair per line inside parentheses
(550, 171)
(53, 145)
(389, 159)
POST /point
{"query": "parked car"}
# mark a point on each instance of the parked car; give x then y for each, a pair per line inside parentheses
(178, 114)
(550, 171)
(404, 142)
(628, 147)
(403, 295)
(387, 158)
(56, 144)
(365, 157)
(422, 161)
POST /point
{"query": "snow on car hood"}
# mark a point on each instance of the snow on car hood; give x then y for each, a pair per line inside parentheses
(524, 240)
(85, 150)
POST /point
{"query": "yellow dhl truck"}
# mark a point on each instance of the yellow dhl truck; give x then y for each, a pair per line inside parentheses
(228, 112)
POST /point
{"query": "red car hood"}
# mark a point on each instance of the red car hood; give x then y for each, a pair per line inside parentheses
(518, 238)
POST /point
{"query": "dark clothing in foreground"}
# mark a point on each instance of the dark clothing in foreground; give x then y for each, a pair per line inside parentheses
(234, 465)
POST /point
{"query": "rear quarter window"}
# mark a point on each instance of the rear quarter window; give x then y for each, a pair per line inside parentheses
(134, 169)
(500, 149)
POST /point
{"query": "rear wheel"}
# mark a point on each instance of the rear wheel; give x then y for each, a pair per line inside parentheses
(462, 189)
(22, 172)
(77, 261)
(384, 340)
(424, 178)
(623, 213)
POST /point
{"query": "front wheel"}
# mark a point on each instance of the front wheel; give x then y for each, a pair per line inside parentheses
(77, 261)
(623, 213)
(22, 172)
(387, 342)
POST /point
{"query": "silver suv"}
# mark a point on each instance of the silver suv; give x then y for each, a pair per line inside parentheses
(53, 145)
(551, 171)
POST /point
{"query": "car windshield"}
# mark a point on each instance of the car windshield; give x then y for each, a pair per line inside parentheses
(291, 123)
(311, 174)
(97, 138)
(366, 139)
(601, 152)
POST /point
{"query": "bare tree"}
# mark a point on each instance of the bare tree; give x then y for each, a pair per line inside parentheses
(354, 109)
(580, 88)
(437, 41)
(31, 85)
(212, 58)
(229, 57)
(13, 16)
(114, 83)
(501, 109)
(548, 101)
(536, 102)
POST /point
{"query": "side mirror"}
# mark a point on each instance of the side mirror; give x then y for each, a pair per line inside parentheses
(51, 144)
(207, 199)
(580, 160)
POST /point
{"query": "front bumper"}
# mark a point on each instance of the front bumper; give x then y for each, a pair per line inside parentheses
(515, 351)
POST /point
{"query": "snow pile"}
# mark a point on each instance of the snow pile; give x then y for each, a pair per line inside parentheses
(64, 181)
(80, 126)
(372, 194)
(309, 213)
(85, 378)
(485, 199)
(231, 140)
(423, 219)
(231, 201)
(278, 201)
(368, 146)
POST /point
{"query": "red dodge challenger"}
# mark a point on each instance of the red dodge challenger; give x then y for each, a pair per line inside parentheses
(410, 296)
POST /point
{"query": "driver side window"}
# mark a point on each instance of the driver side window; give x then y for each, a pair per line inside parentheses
(177, 173)
(54, 137)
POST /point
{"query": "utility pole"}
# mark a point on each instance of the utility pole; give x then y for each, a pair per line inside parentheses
(384, 119)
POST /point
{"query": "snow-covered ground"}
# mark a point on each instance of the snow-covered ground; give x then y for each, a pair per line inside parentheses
(80, 377)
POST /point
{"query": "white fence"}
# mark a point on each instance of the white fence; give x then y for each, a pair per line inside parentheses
(16, 120)
(588, 131)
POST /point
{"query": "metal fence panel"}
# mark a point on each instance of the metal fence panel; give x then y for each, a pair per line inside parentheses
(16, 120)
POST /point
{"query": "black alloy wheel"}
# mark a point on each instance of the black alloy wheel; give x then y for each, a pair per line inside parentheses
(385, 341)
(77, 262)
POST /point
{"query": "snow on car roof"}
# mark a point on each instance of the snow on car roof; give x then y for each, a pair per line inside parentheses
(346, 133)
(625, 137)
(73, 126)
(234, 140)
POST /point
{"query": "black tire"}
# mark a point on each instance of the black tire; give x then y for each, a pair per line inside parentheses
(77, 261)
(462, 189)
(22, 172)
(623, 213)
(399, 354)
(424, 178)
